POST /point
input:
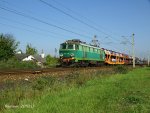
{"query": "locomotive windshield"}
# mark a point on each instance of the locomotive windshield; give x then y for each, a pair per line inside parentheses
(63, 46)
(67, 46)
(70, 46)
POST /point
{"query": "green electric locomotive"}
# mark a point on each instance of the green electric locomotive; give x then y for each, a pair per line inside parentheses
(76, 52)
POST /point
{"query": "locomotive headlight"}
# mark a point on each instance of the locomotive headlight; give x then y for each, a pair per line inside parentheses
(72, 55)
(61, 55)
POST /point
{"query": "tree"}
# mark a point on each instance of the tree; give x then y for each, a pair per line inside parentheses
(31, 50)
(8, 46)
(51, 60)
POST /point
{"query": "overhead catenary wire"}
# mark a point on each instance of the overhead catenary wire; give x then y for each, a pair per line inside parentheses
(71, 16)
(34, 27)
(61, 5)
(33, 32)
(37, 33)
(10, 10)
(41, 21)
(66, 25)
(55, 1)
(30, 12)
(50, 5)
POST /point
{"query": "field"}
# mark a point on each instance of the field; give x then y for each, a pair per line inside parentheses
(112, 93)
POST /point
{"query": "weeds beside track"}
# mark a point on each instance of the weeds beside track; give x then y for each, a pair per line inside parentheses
(82, 92)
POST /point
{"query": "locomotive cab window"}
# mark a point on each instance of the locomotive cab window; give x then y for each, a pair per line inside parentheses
(63, 46)
(70, 46)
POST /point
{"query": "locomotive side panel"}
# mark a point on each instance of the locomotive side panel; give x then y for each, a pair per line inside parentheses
(71, 53)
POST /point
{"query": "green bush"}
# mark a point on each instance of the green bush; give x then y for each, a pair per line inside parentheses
(8, 46)
(16, 64)
(51, 61)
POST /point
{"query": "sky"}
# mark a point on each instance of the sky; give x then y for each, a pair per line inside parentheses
(45, 24)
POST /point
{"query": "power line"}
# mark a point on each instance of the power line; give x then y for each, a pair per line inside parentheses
(65, 8)
(11, 26)
(37, 28)
(71, 16)
(29, 11)
(30, 17)
(26, 25)
(41, 21)
(50, 5)
(65, 25)
(78, 14)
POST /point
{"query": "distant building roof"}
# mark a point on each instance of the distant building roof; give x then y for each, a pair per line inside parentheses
(26, 57)
(39, 58)
(21, 56)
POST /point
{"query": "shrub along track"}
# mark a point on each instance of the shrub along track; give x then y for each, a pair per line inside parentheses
(16, 75)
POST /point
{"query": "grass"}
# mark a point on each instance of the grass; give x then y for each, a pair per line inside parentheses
(16, 64)
(13, 63)
(120, 93)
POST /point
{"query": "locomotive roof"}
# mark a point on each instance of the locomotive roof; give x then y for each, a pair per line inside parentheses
(77, 41)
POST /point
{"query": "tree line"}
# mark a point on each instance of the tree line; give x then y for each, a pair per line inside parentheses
(9, 47)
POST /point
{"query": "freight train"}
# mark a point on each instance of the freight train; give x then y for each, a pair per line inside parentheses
(77, 53)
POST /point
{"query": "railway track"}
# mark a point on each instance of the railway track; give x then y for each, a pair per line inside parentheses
(49, 70)
(45, 70)
(15, 75)
(29, 71)
(21, 76)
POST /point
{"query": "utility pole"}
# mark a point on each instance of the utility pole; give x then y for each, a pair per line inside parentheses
(133, 50)
(55, 52)
(148, 58)
(95, 42)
